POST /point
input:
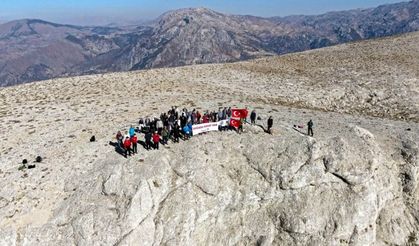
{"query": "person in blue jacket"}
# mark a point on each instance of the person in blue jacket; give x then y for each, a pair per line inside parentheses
(186, 132)
(131, 131)
(190, 129)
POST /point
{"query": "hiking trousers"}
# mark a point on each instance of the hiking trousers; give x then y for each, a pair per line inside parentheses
(148, 145)
(128, 151)
(134, 148)
(310, 131)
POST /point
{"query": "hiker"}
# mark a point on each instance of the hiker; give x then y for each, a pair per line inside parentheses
(147, 139)
(127, 147)
(229, 112)
(165, 135)
(141, 125)
(119, 139)
(176, 133)
(223, 125)
(310, 125)
(253, 117)
(147, 122)
(153, 125)
(205, 119)
(186, 132)
(183, 121)
(131, 131)
(159, 125)
(220, 114)
(240, 128)
(134, 141)
(193, 116)
(214, 116)
(270, 124)
(156, 140)
(198, 117)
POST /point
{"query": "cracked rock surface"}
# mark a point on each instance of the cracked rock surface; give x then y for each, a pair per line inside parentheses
(224, 188)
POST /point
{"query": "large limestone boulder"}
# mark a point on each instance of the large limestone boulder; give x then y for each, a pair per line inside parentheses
(253, 188)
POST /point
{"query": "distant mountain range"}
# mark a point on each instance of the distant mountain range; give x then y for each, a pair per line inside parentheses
(32, 50)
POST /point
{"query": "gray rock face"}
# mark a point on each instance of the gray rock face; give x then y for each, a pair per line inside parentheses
(242, 189)
(36, 50)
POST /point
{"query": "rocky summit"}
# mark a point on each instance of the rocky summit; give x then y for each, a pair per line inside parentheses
(354, 183)
(34, 50)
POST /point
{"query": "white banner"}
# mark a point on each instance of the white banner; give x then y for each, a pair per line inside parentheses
(207, 127)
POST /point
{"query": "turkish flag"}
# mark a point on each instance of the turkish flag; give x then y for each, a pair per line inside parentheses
(239, 113)
(235, 123)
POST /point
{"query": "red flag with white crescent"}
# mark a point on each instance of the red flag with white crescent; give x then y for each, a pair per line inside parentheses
(239, 113)
(235, 123)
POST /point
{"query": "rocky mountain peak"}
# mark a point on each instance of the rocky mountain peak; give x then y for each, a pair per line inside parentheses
(193, 16)
(16, 28)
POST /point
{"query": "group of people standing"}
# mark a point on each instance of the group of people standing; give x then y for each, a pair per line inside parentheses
(173, 124)
(176, 124)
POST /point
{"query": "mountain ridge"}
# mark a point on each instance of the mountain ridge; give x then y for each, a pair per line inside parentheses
(184, 37)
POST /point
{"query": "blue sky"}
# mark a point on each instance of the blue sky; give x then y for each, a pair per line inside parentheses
(105, 11)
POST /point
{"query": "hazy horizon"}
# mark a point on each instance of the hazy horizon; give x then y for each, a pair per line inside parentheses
(96, 12)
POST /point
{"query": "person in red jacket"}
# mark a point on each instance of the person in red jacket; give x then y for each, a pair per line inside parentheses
(134, 141)
(156, 140)
(205, 119)
(127, 147)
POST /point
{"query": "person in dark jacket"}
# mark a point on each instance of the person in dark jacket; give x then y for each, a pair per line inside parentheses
(253, 117)
(183, 121)
(198, 117)
(165, 135)
(120, 139)
(310, 125)
(270, 124)
(148, 137)
(176, 133)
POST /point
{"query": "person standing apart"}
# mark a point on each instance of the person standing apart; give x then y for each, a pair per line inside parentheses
(253, 117)
(310, 125)
(270, 124)
(119, 139)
